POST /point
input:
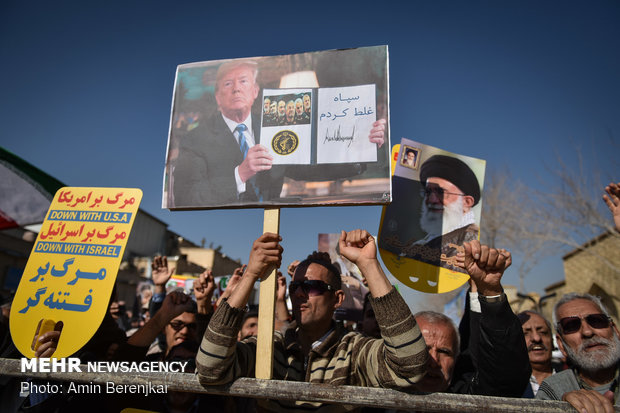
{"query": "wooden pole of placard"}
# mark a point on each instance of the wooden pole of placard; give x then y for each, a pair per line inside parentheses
(266, 308)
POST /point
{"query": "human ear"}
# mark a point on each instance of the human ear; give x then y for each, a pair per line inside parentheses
(339, 295)
(468, 201)
(560, 344)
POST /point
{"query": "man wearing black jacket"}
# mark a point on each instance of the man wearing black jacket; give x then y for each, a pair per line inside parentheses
(496, 361)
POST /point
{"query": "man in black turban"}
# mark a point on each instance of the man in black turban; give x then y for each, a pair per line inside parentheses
(450, 190)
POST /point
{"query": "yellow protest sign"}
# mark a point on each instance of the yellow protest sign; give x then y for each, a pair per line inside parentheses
(71, 271)
(394, 157)
(435, 209)
(421, 276)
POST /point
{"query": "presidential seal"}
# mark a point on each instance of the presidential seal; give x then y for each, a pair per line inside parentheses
(285, 142)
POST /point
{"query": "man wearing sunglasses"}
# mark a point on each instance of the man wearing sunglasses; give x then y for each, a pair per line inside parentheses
(590, 340)
(182, 328)
(317, 349)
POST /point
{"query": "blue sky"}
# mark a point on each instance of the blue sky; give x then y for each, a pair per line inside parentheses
(87, 88)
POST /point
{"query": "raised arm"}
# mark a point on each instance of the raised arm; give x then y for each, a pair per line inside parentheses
(204, 287)
(503, 367)
(221, 359)
(398, 359)
(359, 247)
(486, 266)
(612, 199)
(174, 304)
(266, 254)
(160, 274)
(232, 283)
(282, 314)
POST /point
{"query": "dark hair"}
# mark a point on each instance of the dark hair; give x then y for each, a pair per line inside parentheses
(332, 270)
(524, 316)
(193, 307)
(250, 314)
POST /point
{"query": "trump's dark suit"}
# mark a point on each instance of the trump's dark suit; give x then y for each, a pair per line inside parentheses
(204, 173)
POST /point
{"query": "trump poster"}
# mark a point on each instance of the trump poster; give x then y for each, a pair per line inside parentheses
(300, 130)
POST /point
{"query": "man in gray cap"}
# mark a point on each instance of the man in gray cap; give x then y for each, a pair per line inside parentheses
(450, 190)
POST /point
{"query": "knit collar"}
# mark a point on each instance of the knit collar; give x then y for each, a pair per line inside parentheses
(323, 346)
(614, 386)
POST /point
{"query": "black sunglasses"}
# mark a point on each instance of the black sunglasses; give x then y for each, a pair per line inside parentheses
(572, 324)
(311, 288)
(179, 325)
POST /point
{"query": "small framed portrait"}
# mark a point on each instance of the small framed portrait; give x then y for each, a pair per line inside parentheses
(409, 157)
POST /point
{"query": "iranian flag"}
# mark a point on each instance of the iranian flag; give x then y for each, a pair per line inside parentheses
(26, 191)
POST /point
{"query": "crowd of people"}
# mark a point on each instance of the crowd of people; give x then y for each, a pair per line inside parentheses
(492, 352)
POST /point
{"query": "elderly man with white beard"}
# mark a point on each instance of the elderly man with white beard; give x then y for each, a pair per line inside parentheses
(590, 340)
(450, 190)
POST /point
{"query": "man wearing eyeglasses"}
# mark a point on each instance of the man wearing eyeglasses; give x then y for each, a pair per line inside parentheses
(317, 349)
(590, 340)
(450, 190)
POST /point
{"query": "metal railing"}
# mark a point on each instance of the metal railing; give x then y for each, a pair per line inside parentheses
(289, 390)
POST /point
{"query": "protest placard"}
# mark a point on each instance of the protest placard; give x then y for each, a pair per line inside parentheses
(69, 277)
(303, 129)
(436, 207)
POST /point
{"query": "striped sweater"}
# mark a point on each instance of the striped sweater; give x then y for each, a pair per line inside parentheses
(397, 360)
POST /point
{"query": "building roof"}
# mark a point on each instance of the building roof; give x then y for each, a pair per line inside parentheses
(588, 244)
(555, 285)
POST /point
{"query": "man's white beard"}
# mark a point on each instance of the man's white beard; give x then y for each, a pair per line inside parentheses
(593, 361)
(440, 223)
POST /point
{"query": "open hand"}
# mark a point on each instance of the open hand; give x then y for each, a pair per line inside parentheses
(161, 273)
(377, 133)
(612, 199)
